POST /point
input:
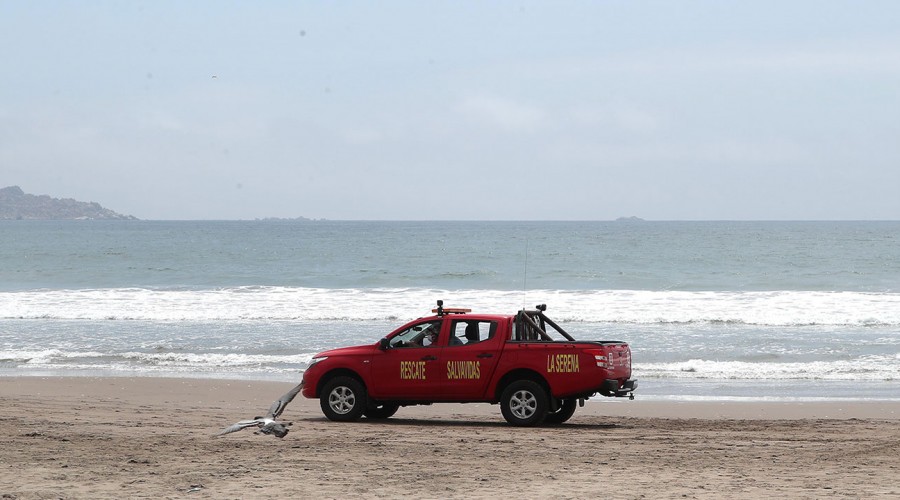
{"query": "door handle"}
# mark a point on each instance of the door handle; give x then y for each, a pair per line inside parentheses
(429, 358)
(485, 355)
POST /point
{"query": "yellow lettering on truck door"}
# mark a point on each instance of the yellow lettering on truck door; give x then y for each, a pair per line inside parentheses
(412, 370)
(463, 370)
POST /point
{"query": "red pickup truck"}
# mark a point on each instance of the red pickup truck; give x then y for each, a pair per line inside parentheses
(457, 356)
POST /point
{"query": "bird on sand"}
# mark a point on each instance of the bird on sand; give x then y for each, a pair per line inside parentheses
(268, 424)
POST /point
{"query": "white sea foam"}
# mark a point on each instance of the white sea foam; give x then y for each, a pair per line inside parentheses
(140, 360)
(230, 360)
(866, 368)
(37, 357)
(775, 308)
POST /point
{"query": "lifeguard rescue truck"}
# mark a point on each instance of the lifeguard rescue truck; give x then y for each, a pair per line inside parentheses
(456, 356)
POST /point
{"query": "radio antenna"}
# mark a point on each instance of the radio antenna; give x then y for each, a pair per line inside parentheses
(525, 275)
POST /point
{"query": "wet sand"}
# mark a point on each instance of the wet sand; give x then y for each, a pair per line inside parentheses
(149, 437)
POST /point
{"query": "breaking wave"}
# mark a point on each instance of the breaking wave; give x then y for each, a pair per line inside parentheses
(774, 308)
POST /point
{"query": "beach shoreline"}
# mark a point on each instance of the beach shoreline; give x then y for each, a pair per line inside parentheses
(89, 437)
(166, 390)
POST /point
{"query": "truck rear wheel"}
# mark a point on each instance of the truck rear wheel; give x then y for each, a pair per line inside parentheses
(524, 403)
(343, 399)
(563, 413)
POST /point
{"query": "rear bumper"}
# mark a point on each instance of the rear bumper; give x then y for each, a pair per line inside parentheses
(611, 388)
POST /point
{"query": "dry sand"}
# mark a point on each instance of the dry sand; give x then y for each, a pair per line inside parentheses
(150, 437)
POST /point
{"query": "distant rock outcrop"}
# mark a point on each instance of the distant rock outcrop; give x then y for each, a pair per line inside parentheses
(15, 205)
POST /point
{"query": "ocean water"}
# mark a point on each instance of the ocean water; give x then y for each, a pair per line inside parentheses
(712, 310)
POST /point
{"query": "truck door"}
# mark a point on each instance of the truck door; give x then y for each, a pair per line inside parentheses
(409, 368)
(469, 358)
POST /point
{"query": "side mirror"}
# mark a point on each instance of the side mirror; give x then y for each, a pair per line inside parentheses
(384, 344)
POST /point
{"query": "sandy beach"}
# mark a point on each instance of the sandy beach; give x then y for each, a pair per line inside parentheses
(149, 437)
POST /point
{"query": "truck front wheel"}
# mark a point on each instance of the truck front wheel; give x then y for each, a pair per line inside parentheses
(343, 399)
(379, 411)
(524, 403)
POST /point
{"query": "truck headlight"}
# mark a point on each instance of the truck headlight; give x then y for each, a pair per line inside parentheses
(313, 361)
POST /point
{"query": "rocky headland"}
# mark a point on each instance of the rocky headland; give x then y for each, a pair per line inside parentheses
(15, 204)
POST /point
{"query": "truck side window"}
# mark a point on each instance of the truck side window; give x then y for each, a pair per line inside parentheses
(471, 332)
(421, 335)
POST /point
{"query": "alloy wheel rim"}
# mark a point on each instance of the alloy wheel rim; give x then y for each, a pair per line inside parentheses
(523, 404)
(341, 400)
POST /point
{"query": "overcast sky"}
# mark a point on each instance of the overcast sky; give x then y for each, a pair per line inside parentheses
(666, 110)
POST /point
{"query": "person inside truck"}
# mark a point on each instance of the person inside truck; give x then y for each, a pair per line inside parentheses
(430, 335)
(417, 336)
(472, 334)
(426, 337)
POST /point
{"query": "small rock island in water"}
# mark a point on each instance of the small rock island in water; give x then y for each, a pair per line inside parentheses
(15, 204)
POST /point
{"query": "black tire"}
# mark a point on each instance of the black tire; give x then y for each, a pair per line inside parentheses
(563, 413)
(524, 403)
(343, 399)
(380, 411)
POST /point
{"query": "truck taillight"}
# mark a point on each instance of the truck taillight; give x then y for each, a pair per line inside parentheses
(603, 359)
